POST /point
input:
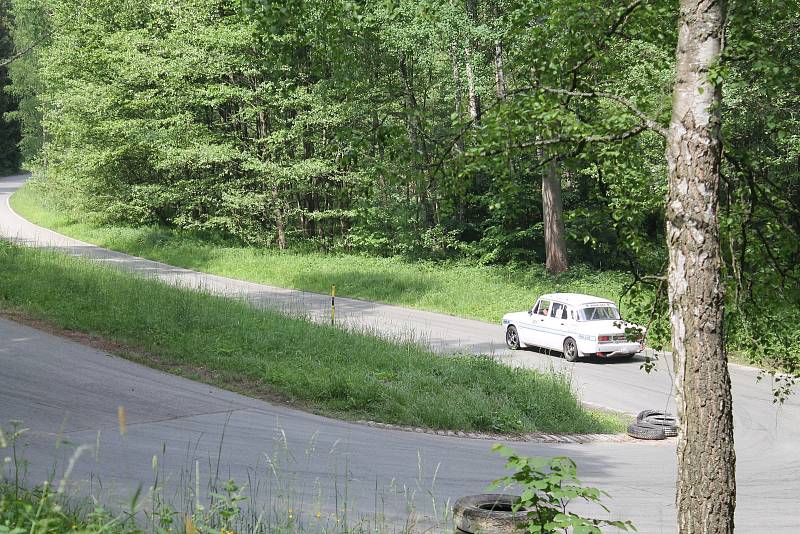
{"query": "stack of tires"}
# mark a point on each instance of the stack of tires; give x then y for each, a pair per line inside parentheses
(652, 424)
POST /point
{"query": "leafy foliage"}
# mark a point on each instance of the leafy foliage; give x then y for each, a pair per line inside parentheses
(548, 486)
(346, 126)
(10, 157)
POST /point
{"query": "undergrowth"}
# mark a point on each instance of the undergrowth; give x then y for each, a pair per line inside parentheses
(459, 288)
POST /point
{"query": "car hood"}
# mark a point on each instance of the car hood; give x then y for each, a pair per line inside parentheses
(516, 316)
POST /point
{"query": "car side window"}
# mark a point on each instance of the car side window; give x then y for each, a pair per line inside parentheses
(555, 310)
(543, 308)
(564, 314)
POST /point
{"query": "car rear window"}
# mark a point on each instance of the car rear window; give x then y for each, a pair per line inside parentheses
(598, 312)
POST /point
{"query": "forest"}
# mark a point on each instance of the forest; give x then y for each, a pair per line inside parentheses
(496, 132)
(648, 139)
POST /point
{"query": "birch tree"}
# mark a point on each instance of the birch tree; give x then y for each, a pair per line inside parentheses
(706, 493)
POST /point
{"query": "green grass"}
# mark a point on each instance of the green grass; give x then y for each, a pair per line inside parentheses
(270, 501)
(320, 367)
(227, 507)
(461, 289)
(38, 511)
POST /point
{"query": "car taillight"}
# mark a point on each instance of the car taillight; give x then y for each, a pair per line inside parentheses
(602, 338)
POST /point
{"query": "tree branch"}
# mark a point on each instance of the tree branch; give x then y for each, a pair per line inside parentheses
(608, 138)
(9, 61)
(649, 122)
(601, 44)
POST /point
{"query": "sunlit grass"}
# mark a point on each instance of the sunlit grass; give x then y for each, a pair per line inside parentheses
(456, 288)
(319, 367)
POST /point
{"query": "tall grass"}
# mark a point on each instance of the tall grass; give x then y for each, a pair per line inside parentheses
(198, 501)
(457, 288)
(318, 367)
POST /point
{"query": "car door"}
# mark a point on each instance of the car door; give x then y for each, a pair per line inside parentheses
(542, 324)
(560, 327)
(534, 332)
(549, 326)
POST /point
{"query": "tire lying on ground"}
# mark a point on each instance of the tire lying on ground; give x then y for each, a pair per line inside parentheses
(644, 414)
(653, 424)
(490, 512)
(645, 430)
(666, 420)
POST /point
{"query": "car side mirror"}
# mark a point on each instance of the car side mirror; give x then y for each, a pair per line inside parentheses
(530, 312)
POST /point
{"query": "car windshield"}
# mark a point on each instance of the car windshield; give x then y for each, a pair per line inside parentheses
(598, 313)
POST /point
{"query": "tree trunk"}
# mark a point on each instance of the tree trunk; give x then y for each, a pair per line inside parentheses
(456, 81)
(552, 211)
(262, 130)
(500, 91)
(474, 99)
(280, 225)
(706, 493)
(499, 74)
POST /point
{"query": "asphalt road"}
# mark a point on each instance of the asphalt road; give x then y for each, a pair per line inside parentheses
(45, 380)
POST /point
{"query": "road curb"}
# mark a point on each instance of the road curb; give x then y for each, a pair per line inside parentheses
(531, 437)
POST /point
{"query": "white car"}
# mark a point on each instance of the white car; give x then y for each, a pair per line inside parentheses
(578, 325)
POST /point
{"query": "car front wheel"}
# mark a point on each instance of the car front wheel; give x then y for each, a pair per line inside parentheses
(570, 350)
(512, 338)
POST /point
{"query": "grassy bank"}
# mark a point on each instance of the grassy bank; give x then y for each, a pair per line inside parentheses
(325, 369)
(460, 289)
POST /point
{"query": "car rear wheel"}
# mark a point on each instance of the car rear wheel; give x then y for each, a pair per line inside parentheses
(512, 338)
(571, 350)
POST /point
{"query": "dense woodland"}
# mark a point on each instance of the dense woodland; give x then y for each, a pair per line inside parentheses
(643, 136)
(416, 128)
(498, 131)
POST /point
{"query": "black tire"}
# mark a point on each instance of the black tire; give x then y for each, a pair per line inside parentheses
(480, 514)
(571, 353)
(671, 431)
(645, 430)
(644, 414)
(512, 338)
(664, 420)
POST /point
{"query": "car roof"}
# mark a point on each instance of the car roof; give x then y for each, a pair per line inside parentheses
(575, 299)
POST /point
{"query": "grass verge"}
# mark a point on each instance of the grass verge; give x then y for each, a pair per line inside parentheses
(202, 503)
(319, 367)
(461, 289)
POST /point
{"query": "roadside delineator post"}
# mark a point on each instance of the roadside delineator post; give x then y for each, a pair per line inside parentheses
(333, 303)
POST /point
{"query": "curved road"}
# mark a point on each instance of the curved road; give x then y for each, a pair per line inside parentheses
(319, 462)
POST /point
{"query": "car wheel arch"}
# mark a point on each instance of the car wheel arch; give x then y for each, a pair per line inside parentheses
(511, 344)
(571, 355)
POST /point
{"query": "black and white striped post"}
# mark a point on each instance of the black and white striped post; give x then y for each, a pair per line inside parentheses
(333, 303)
